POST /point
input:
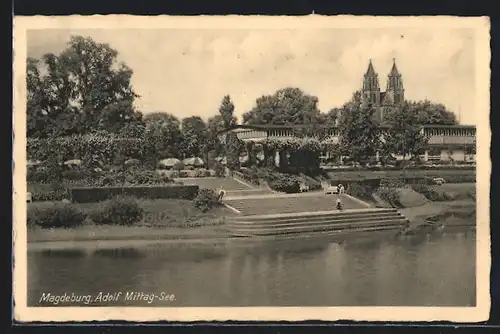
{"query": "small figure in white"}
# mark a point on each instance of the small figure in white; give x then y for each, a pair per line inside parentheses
(339, 204)
(221, 194)
(341, 189)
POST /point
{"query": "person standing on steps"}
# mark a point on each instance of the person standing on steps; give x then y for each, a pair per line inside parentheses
(339, 203)
(221, 194)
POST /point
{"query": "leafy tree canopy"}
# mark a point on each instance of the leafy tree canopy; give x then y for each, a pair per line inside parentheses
(194, 133)
(82, 89)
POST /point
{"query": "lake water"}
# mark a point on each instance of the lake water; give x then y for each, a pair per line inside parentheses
(435, 269)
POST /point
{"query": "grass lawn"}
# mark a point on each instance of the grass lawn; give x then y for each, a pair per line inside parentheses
(163, 219)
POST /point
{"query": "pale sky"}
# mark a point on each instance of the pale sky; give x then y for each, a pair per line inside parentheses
(187, 72)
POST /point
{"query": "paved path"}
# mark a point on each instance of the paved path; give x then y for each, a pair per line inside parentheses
(215, 183)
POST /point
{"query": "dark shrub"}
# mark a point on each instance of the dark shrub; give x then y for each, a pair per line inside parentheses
(200, 173)
(431, 194)
(362, 191)
(137, 176)
(56, 216)
(219, 169)
(76, 175)
(391, 196)
(51, 195)
(286, 183)
(178, 166)
(312, 184)
(183, 173)
(392, 183)
(89, 195)
(206, 200)
(118, 211)
(206, 173)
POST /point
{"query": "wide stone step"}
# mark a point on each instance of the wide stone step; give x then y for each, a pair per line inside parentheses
(319, 232)
(307, 215)
(322, 225)
(297, 221)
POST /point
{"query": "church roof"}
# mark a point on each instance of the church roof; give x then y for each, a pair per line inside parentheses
(394, 70)
(370, 71)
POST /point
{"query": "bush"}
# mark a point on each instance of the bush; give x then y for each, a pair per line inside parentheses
(200, 173)
(137, 176)
(392, 183)
(219, 169)
(183, 173)
(362, 191)
(312, 183)
(391, 196)
(96, 194)
(206, 200)
(431, 194)
(249, 176)
(51, 195)
(286, 183)
(76, 175)
(178, 166)
(56, 216)
(118, 211)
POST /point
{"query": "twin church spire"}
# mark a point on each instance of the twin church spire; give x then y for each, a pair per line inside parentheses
(393, 96)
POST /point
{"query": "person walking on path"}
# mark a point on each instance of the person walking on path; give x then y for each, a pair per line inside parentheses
(341, 189)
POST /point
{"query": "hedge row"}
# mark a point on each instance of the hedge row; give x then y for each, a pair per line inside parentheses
(90, 195)
(109, 147)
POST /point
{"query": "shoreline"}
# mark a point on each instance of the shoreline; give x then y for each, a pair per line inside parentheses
(64, 238)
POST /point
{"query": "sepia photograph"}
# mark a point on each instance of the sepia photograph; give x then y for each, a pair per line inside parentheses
(251, 168)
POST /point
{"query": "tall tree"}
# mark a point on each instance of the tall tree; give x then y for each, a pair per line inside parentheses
(359, 131)
(432, 113)
(84, 89)
(194, 133)
(288, 106)
(37, 114)
(215, 124)
(404, 136)
(164, 131)
(232, 144)
(226, 111)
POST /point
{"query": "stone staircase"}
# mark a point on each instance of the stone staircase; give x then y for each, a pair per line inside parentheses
(287, 204)
(318, 223)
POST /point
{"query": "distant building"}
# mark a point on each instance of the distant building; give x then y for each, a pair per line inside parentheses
(446, 142)
(384, 102)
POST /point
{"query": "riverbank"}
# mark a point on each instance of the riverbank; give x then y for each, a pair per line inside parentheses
(162, 220)
(447, 213)
(176, 220)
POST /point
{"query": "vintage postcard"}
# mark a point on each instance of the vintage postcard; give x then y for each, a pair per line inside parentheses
(251, 168)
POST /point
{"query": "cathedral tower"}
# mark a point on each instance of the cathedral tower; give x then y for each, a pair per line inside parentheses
(395, 86)
(371, 88)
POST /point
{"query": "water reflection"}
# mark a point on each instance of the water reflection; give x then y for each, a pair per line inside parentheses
(435, 269)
